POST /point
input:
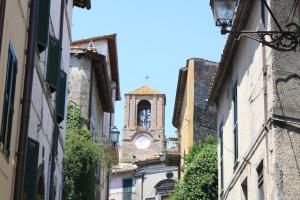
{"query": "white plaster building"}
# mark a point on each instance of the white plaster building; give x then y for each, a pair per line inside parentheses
(94, 87)
(256, 92)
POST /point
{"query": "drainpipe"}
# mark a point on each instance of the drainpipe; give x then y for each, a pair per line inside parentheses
(142, 192)
(2, 16)
(26, 100)
(56, 126)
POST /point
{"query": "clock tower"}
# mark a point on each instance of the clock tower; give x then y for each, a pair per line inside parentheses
(144, 124)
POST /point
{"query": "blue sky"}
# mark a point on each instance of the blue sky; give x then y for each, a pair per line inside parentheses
(154, 38)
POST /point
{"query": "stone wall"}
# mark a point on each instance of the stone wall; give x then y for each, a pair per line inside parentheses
(204, 119)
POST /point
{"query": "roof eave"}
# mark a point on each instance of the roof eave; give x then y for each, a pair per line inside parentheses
(182, 77)
(82, 4)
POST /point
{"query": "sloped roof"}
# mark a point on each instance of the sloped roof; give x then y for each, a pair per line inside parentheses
(113, 54)
(145, 90)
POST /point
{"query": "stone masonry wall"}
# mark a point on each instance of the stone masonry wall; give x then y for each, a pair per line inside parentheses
(204, 119)
(286, 106)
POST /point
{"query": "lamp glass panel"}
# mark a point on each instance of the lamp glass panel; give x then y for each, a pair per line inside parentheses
(224, 10)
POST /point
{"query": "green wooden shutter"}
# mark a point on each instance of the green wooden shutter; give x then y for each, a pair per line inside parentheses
(9, 99)
(30, 177)
(53, 64)
(61, 97)
(43, 24)
(127, 189)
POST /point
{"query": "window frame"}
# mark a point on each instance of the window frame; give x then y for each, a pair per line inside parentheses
(2, 18)
(221, 137)
(8, 101)
(260, 181)
(235, 123)
(129, 196)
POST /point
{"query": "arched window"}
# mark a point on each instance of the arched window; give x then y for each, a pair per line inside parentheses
(144, 114)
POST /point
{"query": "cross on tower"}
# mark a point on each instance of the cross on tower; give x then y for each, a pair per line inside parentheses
(147, 78)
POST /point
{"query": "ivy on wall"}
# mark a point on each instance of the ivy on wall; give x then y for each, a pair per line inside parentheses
(200, 181)
(82, 158)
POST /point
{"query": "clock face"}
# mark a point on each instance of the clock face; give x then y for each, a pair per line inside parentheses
(142, 141)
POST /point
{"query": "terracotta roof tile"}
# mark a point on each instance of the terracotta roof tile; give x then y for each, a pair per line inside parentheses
(145, 90)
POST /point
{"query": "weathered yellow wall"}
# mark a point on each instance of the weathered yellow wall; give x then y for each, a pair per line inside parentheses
(15, 26)
(187, 114)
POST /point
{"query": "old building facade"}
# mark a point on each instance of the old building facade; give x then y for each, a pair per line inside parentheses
(191, 116)
(256, 92)
(14, 18)
(142, 172)
(35, 41)
(94, 87)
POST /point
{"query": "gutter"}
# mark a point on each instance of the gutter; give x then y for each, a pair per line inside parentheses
(26, 100)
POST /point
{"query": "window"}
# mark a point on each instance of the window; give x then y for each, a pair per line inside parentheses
(221, 156)
(8, 101)
(61, 96)
(53, 64)
(144, 114)
(127, 189)
(235, 123)
(244, 186)
(30, 176)
(260, 181)
(43, 24)
(2, 15)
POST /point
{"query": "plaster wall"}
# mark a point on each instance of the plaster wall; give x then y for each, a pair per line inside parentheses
(186, 130)
(277, 145)
(41, 124)
(14, 33)
(153, 175)
(116, 186)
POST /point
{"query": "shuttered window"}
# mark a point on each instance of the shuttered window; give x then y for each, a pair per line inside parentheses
(32, 155)
(53, 63)
(127, 189)
(235, 123)
(8, 101)
(221, 156)
(43, 24)
(61, 97)
(260, 181)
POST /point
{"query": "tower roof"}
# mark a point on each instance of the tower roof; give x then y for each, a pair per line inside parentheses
(145, 90)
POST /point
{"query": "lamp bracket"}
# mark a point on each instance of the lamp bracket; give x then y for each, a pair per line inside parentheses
(278, 40)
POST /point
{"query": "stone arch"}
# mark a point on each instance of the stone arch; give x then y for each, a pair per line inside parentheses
(144, 114)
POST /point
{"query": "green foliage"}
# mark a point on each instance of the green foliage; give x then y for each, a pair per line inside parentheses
(200, 181)
(82, 157)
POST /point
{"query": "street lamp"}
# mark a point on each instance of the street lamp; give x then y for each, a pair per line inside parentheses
(114, 135)
(224, 10)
